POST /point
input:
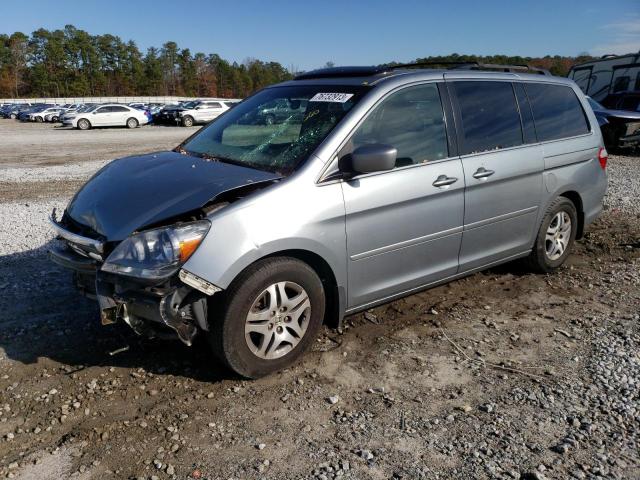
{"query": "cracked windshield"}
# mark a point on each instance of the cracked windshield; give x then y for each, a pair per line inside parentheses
(276, 129)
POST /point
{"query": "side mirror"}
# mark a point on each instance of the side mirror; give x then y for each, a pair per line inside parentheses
(376, 157)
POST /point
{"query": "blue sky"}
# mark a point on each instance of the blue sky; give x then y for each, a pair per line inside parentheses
(306, 34)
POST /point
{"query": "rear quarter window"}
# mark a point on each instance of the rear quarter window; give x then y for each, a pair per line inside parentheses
(557, 112)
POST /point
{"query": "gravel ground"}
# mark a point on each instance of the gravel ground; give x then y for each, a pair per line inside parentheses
(624, 185)
(35, 144)
(503, 374)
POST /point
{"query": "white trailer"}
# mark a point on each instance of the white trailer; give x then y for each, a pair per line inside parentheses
(609, 74)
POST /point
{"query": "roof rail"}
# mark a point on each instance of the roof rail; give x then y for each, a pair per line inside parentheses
(381, 69)
(475, 66)
(342, 72)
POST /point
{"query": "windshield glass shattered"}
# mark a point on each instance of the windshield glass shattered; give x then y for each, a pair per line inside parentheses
(276, 129)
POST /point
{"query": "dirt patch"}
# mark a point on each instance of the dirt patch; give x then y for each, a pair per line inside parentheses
(38, 190)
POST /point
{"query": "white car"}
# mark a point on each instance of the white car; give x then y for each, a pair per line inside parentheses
(202, 112)
(39, 116)
(54, 115)
(110, 115)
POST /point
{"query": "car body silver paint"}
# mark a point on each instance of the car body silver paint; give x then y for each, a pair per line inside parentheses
(385, 243)
(294, 214)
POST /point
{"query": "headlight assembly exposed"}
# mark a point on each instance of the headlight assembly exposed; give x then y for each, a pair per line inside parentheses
(156, 254)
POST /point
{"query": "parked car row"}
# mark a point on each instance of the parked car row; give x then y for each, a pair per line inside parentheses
(88, 115)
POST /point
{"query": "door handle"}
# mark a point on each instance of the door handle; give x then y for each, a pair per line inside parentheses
(482, 173)
(443, 181)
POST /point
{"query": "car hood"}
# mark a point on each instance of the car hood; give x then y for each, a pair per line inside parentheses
(134, 192)
(623, 114)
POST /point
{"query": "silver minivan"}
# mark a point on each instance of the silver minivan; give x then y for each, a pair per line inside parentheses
(392, 181)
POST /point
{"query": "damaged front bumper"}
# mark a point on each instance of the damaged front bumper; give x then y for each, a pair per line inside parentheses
(179, 302)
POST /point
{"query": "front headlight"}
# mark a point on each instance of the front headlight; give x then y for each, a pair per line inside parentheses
(156, 254)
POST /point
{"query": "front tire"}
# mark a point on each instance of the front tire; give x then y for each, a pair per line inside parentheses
(270, 315)
(556, 236)
(132, 123)
(84, 124)
(39, 119)
(187, 121)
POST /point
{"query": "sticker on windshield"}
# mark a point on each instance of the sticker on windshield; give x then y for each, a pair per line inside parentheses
(331, 97)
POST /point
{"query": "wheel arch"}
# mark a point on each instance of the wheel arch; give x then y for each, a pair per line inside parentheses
(576, 199)
(335, 299)
(334, 292)
(83, 118)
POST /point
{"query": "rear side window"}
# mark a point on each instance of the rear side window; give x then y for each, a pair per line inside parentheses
(557, 112)
(119, 109)
(489, 116)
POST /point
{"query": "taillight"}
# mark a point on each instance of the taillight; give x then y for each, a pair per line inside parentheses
(603, 156)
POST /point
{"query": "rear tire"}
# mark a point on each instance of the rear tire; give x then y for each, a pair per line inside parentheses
(84, 124)
(257, 332)
(132, 123)
(555, 237)
(187, 121)
(39, 119)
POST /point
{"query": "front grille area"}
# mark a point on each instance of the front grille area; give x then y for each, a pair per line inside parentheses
(78, 228)
(81, 239)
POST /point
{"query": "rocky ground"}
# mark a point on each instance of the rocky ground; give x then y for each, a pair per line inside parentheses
(503, 374)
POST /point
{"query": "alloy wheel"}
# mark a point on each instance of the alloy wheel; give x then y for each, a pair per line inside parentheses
(558, 235)
(277, 320)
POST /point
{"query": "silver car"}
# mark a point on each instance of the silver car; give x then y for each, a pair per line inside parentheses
(393, 181)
